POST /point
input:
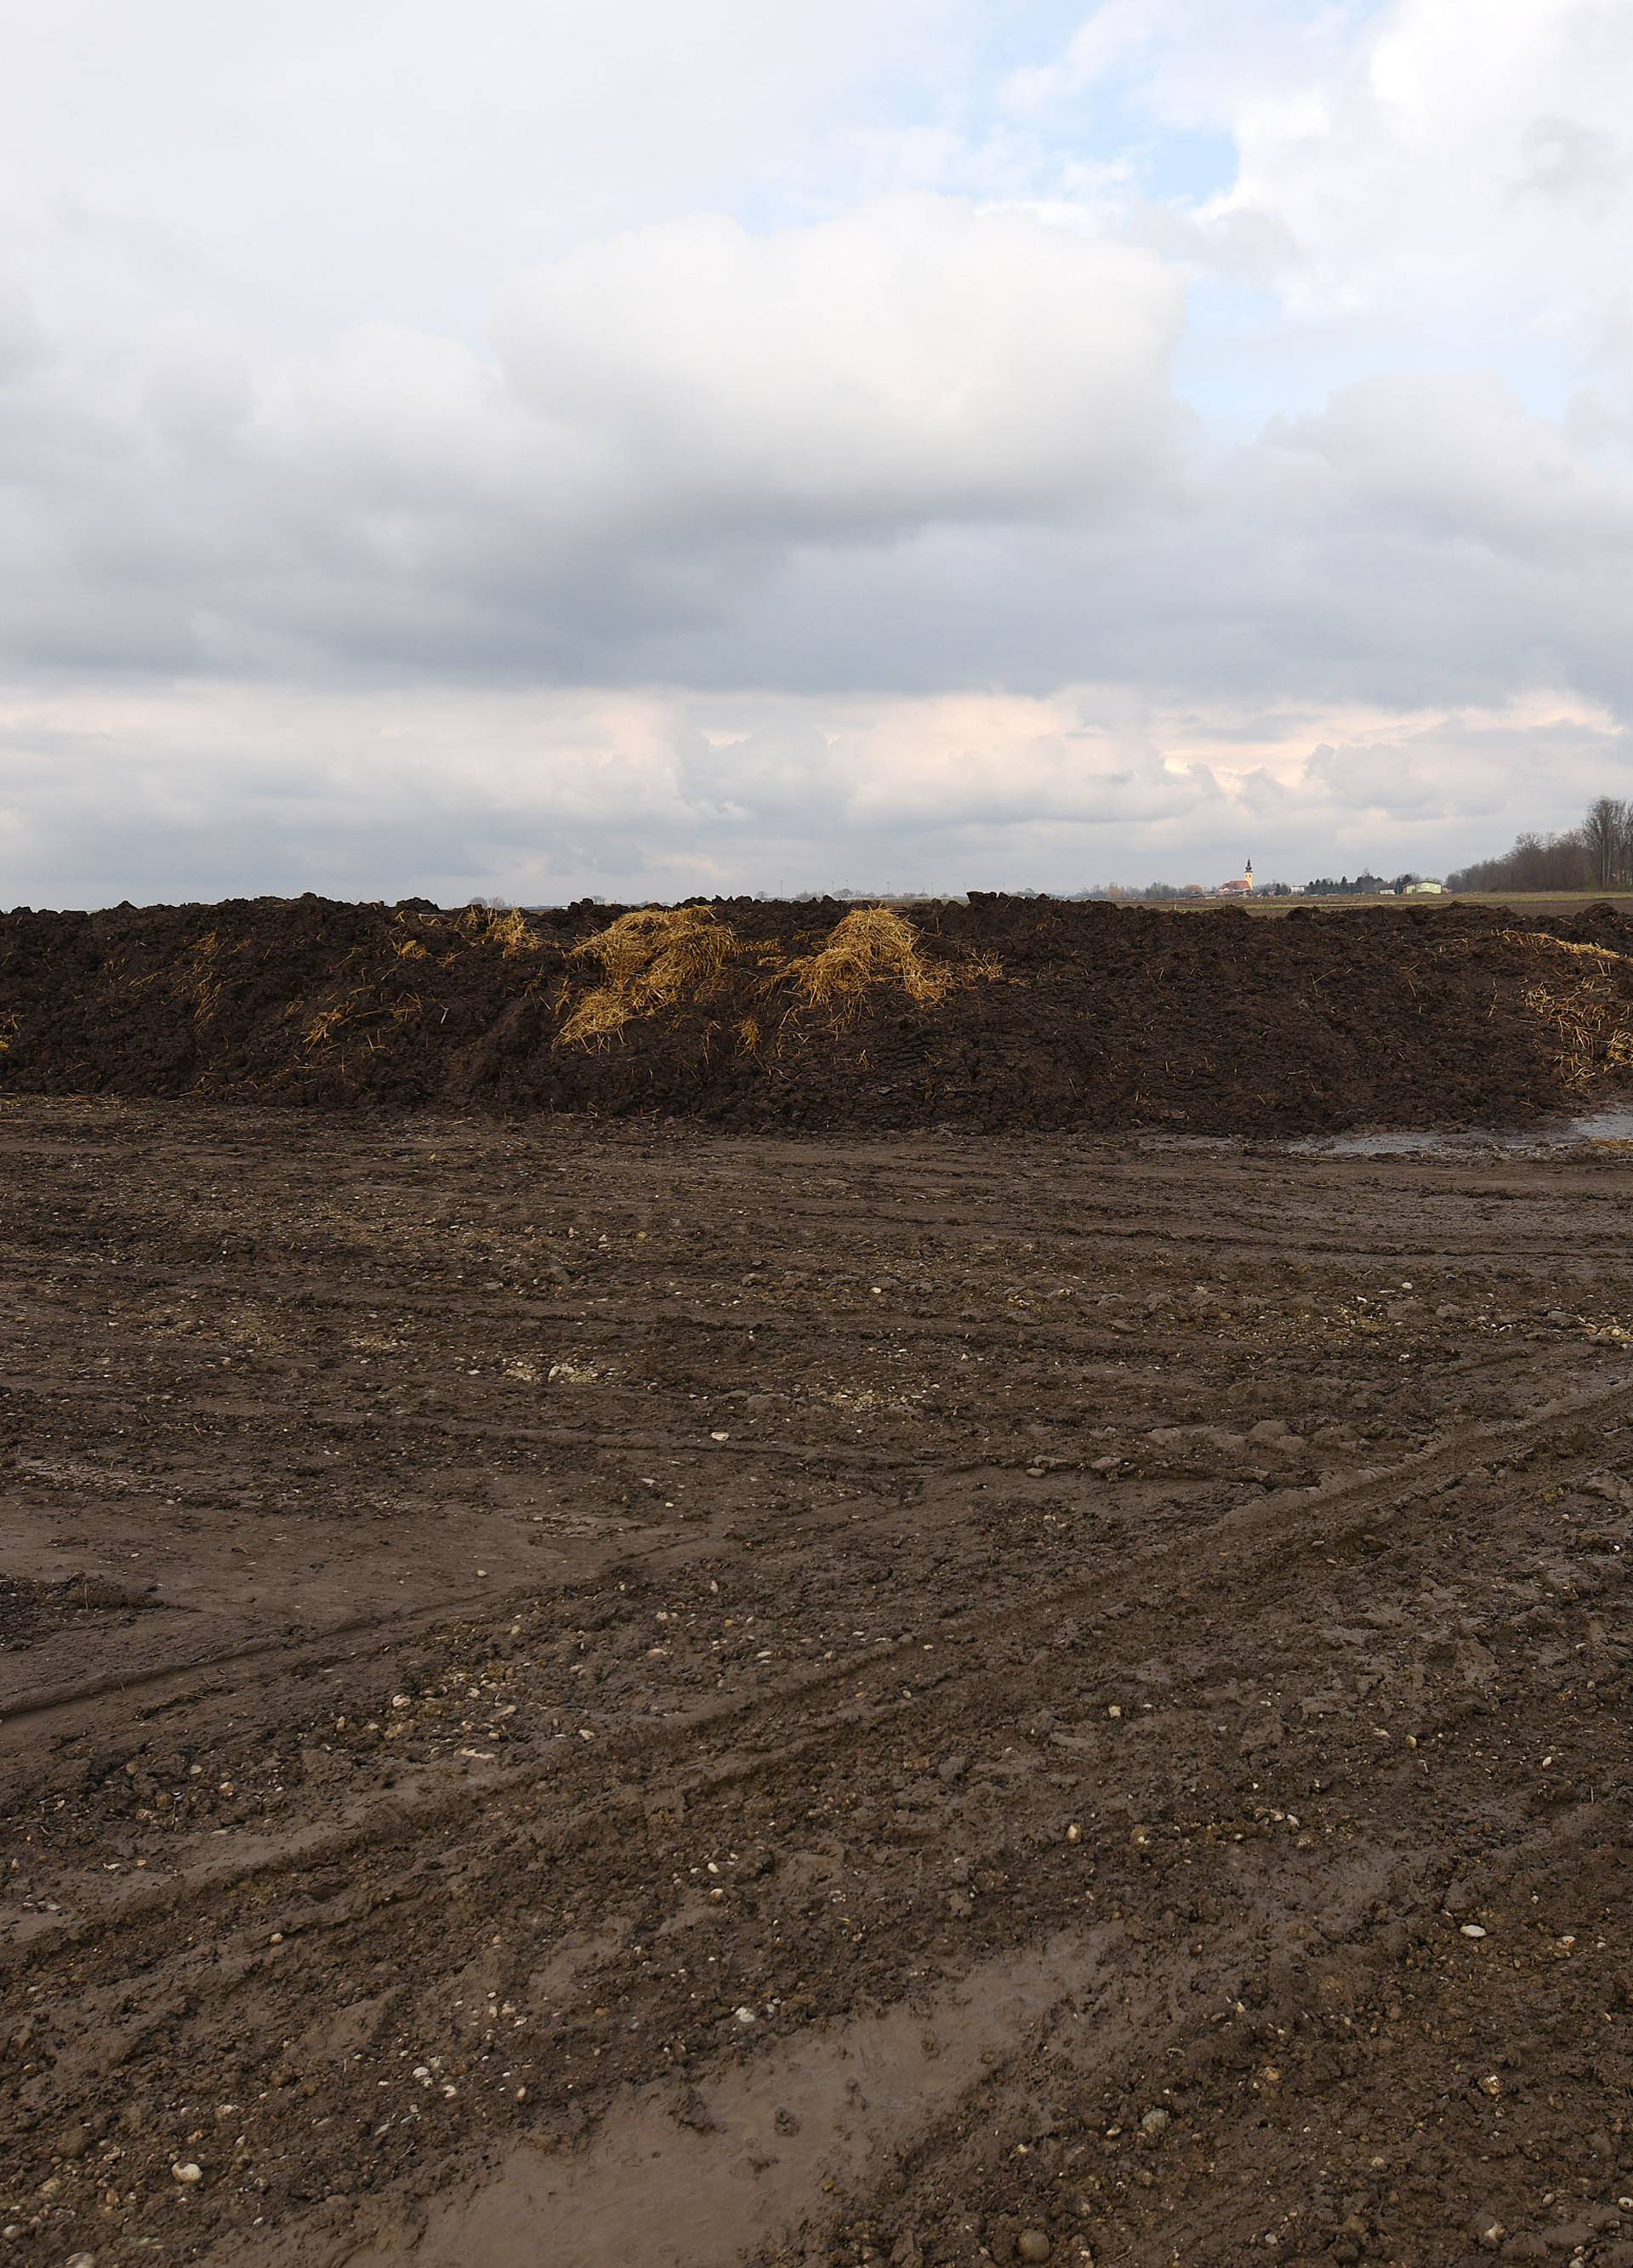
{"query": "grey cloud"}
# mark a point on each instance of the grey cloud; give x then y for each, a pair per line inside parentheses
(397, 510)
(781, 771)
(673, 417)
(1375, 779)
(1573, 163)
(541, 799)
(904, 450)
(23, 346)
(704, 459)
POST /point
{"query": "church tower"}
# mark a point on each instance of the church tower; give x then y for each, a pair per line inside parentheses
(1249, 874)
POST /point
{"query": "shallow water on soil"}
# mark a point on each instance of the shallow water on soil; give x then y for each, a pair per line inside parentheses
(1600, 1129)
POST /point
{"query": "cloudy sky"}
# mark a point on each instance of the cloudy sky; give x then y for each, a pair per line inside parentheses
(673, 446)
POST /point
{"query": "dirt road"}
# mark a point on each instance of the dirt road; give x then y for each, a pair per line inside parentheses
(593, 1695)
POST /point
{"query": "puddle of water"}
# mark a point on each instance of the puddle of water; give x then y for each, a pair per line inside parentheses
(763, 2144)
(1599, 1130)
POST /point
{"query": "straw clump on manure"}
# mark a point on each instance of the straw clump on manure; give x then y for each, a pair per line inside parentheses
(1581, 1003)
(871, 948)
(1591, 1029)
(1602, 952)
(505, 927)
(656, 957)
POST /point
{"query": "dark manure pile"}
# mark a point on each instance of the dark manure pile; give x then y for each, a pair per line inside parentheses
(1001, 1013)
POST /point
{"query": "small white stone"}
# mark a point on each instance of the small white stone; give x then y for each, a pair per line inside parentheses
(188, 2173)
(1472, 1929)
(746, 2014)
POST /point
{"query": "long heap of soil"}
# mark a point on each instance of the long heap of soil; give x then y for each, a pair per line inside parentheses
(1000, 1012)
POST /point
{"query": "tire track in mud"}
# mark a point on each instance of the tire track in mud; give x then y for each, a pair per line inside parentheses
(50, 1714)
(361, 1923)
(312, 2245)
(1366, 1500)
(1148, 2014)
(751, 2160)
(1354, 1507)
(810, 2075)
(47, 1713)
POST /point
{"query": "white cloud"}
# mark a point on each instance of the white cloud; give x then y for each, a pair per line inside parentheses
(590, 427)
(915, 360)
(1447, 168)
(329, 160)
(147, 792)
(669, 416)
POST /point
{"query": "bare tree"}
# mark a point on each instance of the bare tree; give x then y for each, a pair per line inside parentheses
(1606, 831)
(1537, 862)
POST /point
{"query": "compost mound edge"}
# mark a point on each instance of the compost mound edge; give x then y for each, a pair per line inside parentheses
(1054, 1015)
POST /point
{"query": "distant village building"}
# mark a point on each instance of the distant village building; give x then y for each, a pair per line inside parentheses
(1425, 890)
(1240, 886)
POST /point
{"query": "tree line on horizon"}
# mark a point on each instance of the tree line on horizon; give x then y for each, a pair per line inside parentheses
(1158, 894)
(1597, 855)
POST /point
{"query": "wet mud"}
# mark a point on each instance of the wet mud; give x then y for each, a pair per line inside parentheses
(630, 1694)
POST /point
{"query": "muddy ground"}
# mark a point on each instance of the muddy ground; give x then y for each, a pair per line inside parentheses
(589, 1695)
